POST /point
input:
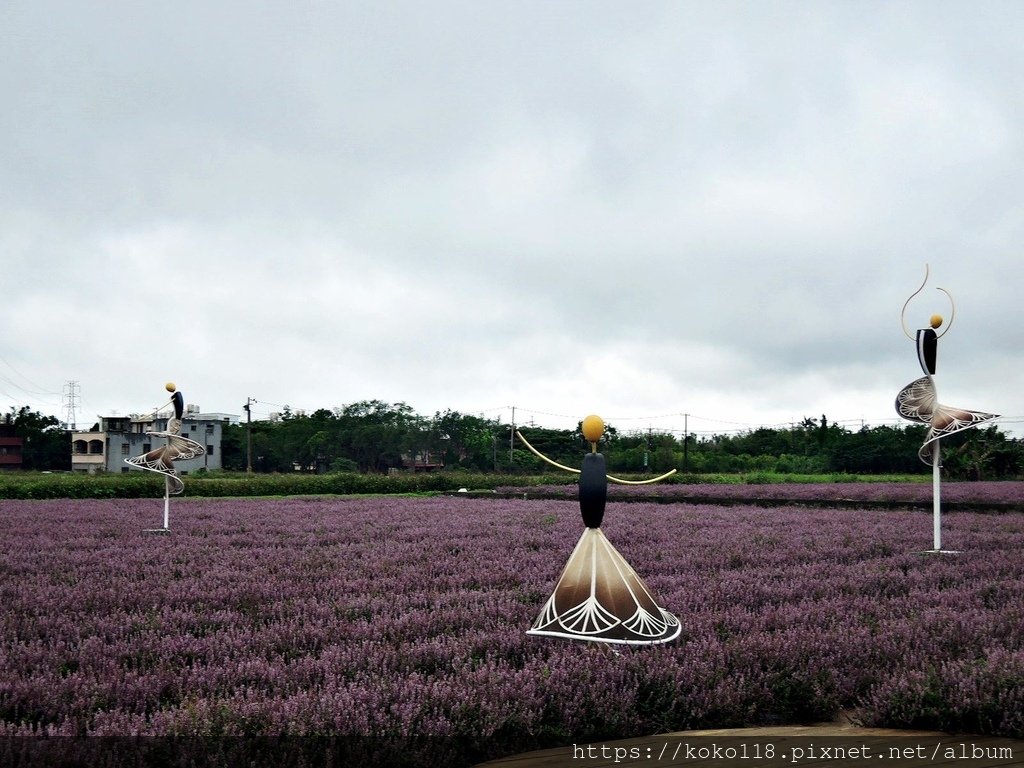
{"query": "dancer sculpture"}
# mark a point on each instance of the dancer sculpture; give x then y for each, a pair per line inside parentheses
(599, 597)
(177, 448)
(918, 401)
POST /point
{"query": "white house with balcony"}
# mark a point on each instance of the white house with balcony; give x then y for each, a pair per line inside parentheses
(116, 438)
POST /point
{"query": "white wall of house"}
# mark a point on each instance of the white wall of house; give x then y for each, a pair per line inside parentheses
(121, 437)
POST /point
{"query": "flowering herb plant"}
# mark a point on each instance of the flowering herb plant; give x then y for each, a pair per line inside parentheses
(399, 624)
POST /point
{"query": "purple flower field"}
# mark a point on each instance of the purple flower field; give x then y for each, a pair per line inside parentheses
(999, 493)
(398, 624)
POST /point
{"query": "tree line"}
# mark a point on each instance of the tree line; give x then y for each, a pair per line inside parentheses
(373, 436)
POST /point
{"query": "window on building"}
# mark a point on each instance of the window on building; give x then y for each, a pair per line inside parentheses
(209, 450)
(96, 447)
(146, 447)
(124, 449)
(81, 447)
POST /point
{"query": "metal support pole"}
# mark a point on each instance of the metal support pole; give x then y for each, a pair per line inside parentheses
(936, 497)
(248, 435)
(167, 504)
(167, 498)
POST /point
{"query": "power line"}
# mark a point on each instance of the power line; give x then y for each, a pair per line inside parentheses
(39, 389)
(737, 427)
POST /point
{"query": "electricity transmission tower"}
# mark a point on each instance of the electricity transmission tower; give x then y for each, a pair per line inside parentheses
(70, 403)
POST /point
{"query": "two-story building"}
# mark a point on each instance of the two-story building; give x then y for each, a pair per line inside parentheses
(10, 444)
(116, 438)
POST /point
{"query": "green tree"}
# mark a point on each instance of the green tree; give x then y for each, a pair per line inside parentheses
(233, 447)
(46, 445)
(980, 454)
(375, 434)
(468, 442)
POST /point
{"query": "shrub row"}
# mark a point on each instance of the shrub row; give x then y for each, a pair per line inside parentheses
(134, 485)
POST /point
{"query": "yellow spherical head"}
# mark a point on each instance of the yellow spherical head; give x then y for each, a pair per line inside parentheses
(935, 321)
(593, 428)
(169, 386)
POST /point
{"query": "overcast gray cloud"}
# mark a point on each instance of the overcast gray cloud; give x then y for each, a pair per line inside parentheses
(640, 209)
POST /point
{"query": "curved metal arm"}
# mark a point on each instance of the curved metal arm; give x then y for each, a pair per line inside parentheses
(541, 455)
(903, 312)
(952, 312)
(642, 482)
(610, 477)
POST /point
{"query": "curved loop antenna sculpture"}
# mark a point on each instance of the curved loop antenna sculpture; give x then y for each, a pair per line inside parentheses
(573, 469)
(903, 312)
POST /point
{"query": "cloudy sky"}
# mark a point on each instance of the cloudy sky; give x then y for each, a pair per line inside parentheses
(639, 209)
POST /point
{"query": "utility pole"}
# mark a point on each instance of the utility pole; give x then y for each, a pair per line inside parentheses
(248, 434)
(511, 438)
(686, 438)
(70, 398)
